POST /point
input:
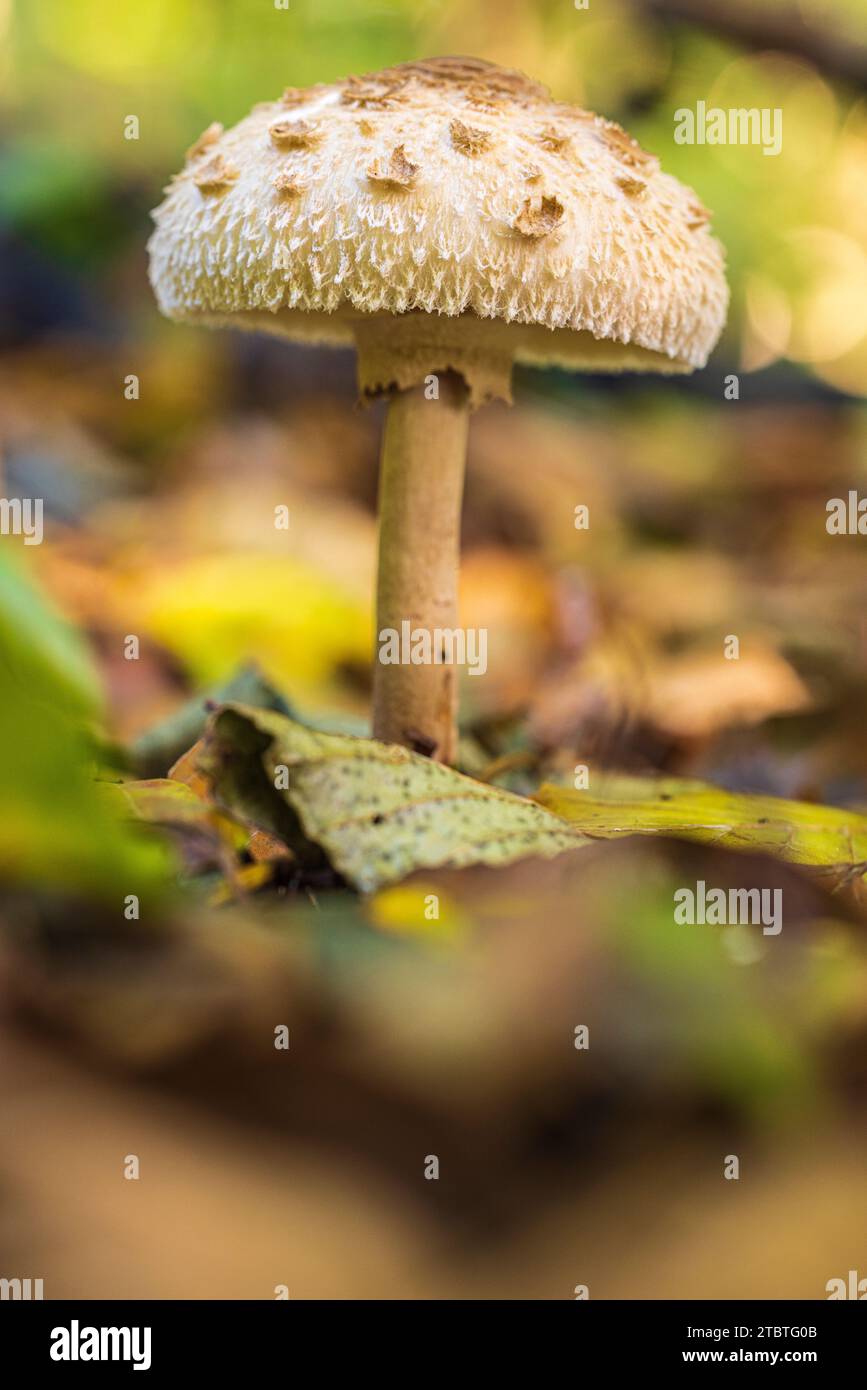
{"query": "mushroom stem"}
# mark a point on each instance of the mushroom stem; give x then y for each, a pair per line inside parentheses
(421, 485)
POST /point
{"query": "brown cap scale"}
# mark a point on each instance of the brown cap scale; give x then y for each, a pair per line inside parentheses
(444, 217)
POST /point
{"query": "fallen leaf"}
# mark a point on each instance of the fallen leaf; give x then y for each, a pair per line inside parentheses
(698, 694)
(378, 811)
(168, 745)
(264, 848)
(797, 831)
(186, 770)
(421, 911)
(249, 879)
(217, 612)
(205, 837)
(164, 802)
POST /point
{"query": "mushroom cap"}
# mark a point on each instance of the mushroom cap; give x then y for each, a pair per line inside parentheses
(494, 222)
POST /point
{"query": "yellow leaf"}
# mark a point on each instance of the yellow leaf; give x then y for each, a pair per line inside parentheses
(419, 910)
(220, 611)
(797, 831)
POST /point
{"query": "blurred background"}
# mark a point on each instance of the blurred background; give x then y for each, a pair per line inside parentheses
(707, 519)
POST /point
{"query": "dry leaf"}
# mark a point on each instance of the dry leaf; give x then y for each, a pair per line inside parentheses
(377, 810)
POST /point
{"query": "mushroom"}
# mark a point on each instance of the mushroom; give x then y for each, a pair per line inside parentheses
(447, 218)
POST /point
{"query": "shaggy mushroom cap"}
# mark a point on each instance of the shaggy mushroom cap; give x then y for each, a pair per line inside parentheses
(442, 214)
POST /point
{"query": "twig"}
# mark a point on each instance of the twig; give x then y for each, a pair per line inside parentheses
(748, 22)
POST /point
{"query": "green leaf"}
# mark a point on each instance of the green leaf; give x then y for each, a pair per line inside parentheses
(797, 831)
(55, 831)
(40, 654)
(162, 801)
(378, 811)
(154, 751)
